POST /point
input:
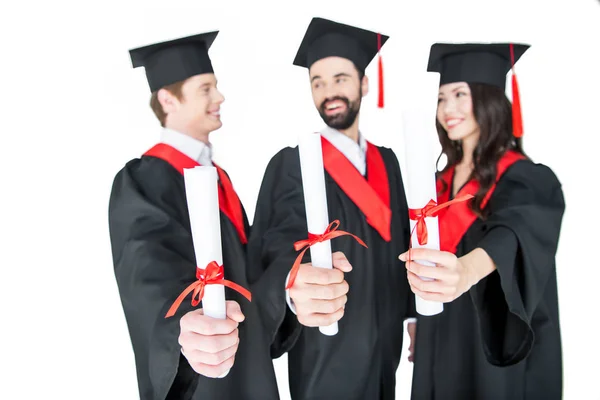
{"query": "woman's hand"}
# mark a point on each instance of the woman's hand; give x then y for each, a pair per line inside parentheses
(448, 280)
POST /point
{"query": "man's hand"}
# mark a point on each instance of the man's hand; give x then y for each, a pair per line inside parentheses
(210, 344)
(319, 294)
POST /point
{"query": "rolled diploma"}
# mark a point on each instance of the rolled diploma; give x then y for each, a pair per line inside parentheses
(201, 188)
(420, 166)
(315, 202)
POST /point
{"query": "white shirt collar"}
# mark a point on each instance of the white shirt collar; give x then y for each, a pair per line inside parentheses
(356, 153)
(193, 148)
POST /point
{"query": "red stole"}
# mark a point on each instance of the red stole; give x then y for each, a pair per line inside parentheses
(458, 218)
(229, 202)
(371, 196)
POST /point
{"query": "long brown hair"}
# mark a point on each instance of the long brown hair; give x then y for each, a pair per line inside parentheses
(493, 113)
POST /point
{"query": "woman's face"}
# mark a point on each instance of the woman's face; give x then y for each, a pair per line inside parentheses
(455, 111)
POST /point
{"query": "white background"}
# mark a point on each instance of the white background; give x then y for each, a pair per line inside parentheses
(74, 111)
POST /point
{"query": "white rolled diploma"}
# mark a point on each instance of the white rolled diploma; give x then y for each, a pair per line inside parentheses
(315, 203)
(419, 129)
(201, 188)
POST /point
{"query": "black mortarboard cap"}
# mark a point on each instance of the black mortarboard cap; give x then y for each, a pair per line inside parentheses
(175, 60)
(473, 62)
(325, 38)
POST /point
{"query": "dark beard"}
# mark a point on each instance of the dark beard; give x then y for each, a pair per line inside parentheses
(343, 120)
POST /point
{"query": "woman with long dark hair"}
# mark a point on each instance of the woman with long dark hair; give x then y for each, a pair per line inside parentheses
(498, 336)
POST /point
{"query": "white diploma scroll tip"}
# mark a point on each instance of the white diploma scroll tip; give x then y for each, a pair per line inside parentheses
(203, 204)
(428, 307)
(315, 201)
(330, 330)
(418, 129)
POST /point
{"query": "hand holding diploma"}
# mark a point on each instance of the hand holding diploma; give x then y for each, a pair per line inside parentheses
(421, 188)
(319, 294)
(332, 289)
(434, 270)
(209, 336)
(210, 344)
(452, 275)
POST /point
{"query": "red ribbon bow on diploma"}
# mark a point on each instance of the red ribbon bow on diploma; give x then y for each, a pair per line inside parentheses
(212, 275)
(430, 210)
(330, 233)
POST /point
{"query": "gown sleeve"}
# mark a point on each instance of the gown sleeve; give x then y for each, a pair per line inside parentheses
(279, 221)
(153, 263)
(521, 236)
(402, 210)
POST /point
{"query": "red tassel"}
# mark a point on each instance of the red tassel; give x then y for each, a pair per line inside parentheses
(516, 100)
(516, 109)
(380, 70)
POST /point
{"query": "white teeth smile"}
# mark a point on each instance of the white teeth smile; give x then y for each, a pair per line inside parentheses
(454, 122)
(333, 106)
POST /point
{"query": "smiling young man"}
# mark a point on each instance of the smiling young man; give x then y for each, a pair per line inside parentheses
(365, 192)
(181, 357)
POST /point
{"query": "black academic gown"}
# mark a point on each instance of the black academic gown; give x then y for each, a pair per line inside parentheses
(501, 339)
(154, 262)
(360, 362)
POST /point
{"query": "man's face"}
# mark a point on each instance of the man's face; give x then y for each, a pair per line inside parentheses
(337, 91)
(198, 112)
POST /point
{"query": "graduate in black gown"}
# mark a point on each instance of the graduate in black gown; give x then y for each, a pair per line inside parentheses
(369, 298)
(182, 356)
(499, 334)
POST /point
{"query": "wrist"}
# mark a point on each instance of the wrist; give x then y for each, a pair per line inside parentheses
(478, 265)
(472, 275)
